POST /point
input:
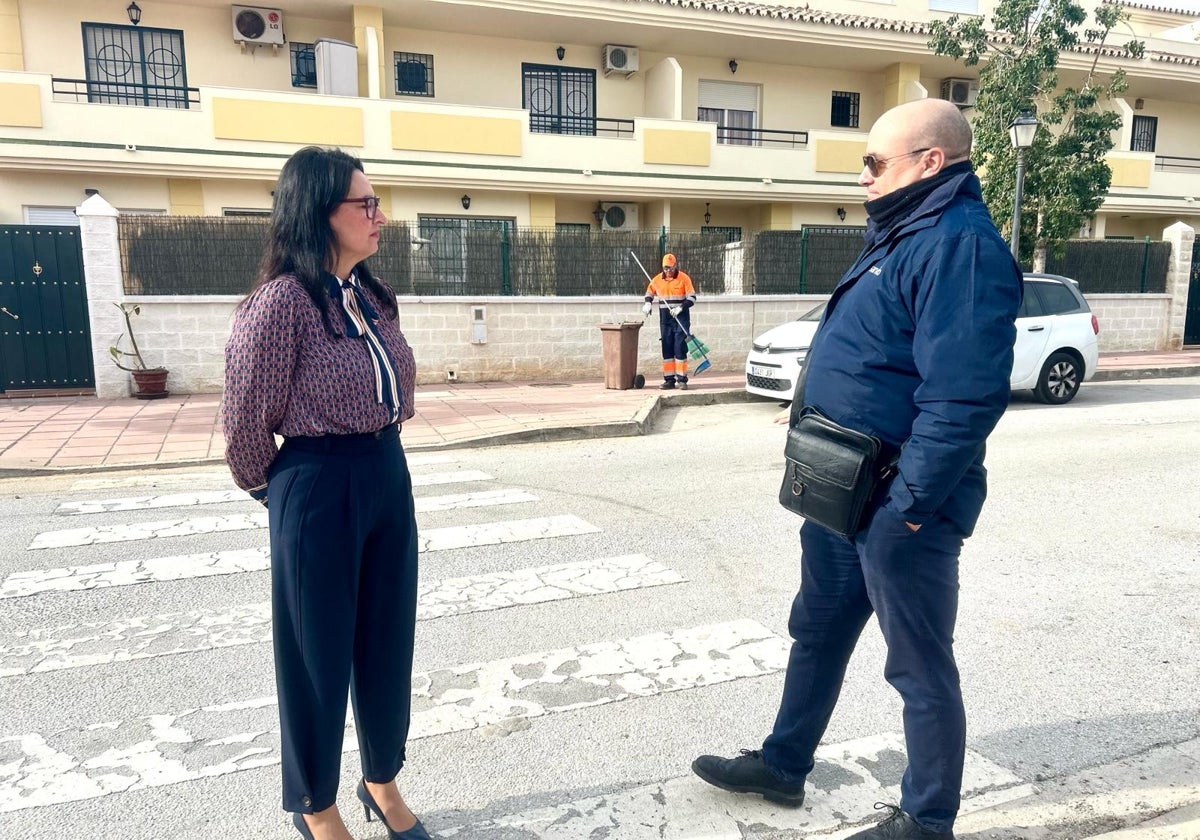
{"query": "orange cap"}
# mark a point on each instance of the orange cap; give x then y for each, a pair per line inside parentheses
(669, 261)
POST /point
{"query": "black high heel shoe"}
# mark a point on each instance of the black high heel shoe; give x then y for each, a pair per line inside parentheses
(302, 826)
(417, 832)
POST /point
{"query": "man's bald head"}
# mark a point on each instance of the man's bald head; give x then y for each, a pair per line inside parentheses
(912, 142)
(932, 123)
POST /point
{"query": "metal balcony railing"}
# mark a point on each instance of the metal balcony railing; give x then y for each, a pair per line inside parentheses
(727, 135)
(580, 126)
(1177, 164)
(126, 93)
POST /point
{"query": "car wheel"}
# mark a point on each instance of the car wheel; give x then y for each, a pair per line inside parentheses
(1059, 380)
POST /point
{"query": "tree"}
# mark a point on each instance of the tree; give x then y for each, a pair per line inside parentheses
(1066, 176)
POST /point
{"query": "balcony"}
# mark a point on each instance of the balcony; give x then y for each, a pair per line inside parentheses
(124, 93)
(233, 132)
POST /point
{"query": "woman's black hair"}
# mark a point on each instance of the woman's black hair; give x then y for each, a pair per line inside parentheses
(300, 240)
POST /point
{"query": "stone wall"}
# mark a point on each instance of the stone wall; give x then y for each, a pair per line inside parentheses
(1132, 322)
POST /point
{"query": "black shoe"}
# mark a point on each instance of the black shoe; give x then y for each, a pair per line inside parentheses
(669, 385)
(370, 806)
(899, 826)
(749, 773)
(683, 384)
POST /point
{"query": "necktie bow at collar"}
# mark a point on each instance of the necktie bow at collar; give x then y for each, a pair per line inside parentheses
(359, 320)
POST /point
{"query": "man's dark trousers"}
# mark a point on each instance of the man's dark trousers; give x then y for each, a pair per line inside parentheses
(674, 337)
(910, 581)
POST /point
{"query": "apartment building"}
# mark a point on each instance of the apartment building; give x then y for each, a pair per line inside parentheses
(594, 113)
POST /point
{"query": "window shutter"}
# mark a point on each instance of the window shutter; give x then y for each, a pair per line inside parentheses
(51, 216)
(731, 96)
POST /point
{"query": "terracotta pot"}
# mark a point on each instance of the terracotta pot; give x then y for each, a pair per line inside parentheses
(151, 383)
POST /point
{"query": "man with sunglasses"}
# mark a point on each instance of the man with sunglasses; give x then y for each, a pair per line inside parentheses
(676, 296)
(914, 348)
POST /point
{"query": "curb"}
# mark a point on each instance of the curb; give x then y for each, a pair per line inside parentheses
(642, 423)
(1165, 372)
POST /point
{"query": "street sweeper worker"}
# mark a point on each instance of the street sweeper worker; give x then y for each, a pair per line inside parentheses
(676, 296)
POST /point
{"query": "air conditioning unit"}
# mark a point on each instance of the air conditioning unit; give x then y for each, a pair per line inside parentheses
(962, 92)
(256, 25)
(619, 59)
(620, 217)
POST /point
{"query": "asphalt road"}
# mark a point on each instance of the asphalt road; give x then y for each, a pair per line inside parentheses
(1077, 638)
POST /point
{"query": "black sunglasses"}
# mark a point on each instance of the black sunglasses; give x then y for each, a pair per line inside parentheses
(875, 165)
(370, 204)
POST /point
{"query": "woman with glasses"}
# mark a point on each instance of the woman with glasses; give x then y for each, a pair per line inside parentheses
(316, 356)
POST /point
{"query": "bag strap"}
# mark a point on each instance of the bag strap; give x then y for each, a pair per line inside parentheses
(798, 394)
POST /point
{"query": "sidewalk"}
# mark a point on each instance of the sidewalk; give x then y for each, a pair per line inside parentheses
(80, 433)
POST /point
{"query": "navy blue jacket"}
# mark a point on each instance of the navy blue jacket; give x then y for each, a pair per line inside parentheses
(916, 348)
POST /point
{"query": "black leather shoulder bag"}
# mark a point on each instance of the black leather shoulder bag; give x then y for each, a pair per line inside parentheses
(832, 473)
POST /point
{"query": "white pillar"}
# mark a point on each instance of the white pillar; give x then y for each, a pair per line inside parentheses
(102, 277)
(1179, 271)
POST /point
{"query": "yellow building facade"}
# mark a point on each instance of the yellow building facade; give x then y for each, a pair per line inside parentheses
(687, 115)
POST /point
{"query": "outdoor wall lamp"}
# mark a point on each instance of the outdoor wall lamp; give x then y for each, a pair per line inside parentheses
(91, 191)
(841, 214)
(598, 213)
(733, 65)
(134, 12)
(561, 52)
(1021, 133)
(466, 201)
(707, 215)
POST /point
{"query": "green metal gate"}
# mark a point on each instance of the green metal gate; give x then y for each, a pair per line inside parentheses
(1191, 327)
(44, 338)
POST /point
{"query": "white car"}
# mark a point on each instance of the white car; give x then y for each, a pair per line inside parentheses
(1055, 352)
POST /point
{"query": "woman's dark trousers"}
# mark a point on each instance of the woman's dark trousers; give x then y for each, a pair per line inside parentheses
(344, 600)
(910, 581)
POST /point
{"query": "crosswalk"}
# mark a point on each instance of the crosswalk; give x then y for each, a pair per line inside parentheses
(107, 569)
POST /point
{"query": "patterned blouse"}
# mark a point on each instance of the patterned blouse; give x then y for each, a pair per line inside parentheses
(286, 374)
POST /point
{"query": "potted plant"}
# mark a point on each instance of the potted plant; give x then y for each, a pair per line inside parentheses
(151, 381)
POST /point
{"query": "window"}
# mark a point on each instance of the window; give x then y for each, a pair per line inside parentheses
(843, 109)
(1145, 134)
(561, 100)
(731, 234)
(134, 65)
(1031, 304)
(414, 74)
(460, 248)
(246, 212)
(1053, 298)
(733, 107)
(304, 65)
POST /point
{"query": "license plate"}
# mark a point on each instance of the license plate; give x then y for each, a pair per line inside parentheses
(764, 372)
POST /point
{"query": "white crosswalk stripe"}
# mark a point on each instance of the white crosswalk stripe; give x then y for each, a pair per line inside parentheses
(145, 637)
(218, 478)
(43, 768)
(129, 572)
(212, 497)
(129, 532)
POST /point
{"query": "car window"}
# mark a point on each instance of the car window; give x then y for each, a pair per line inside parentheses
(1057, 298)
(1031, 304)
(813, 314)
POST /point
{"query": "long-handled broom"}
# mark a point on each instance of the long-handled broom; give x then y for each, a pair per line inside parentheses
(697, 349)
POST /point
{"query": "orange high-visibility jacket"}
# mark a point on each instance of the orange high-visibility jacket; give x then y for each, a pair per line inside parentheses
(673, 292)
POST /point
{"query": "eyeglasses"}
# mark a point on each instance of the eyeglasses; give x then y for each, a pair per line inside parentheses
(875, 165)
(370, 204)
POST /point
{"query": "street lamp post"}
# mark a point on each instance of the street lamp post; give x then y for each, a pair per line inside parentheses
(1021, 133)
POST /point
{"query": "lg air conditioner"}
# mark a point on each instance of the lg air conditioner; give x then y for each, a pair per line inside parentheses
(962, 92)
(256, 25)
(620, 217)
(619, 59)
